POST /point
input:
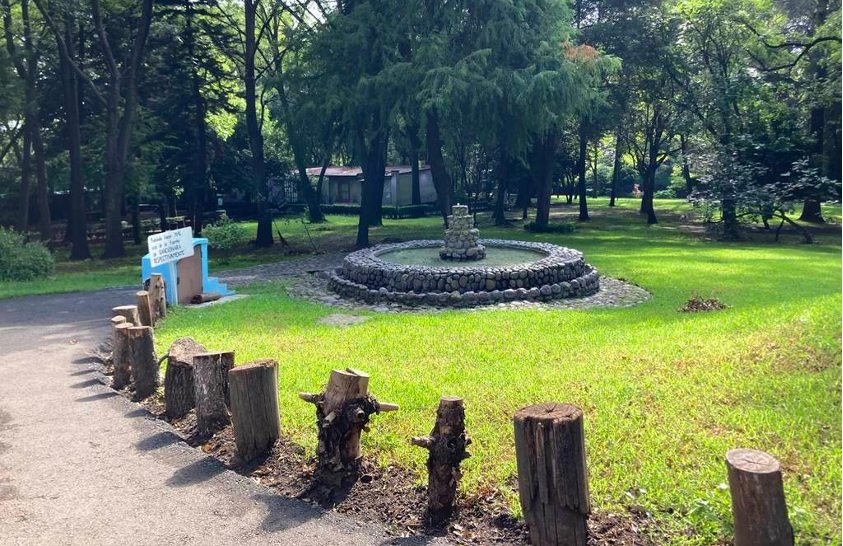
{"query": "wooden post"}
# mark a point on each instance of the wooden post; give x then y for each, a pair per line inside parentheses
(157, 296)
(205, 297)
(342, 413)
(145, 309)
(254, 407)
(179, 395)
(121, 355)
(758, 505)
(144, 361)
(552, 478)
(210, 374)
(446, 444)
(130, 312)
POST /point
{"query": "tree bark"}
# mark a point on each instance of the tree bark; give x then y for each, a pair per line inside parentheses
(581, 172)
(145, 311)
(616, 169)
(552, 476)
(503, 181)
(157, 297)
(23, 196)
(179, 386)
(446, 445)
(210, 373)
(758, 504)
(415, 146)
(544, 180)
(121, 354)
(264, 235)
(441, 180)
(144, 361)
(254, 407)
(129, 312)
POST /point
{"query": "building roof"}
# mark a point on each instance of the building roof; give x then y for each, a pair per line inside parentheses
(354, 172)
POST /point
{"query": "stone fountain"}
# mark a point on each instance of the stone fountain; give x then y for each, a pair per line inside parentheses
(464, 270)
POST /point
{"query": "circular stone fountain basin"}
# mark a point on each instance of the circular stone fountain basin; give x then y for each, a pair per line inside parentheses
(429, 257)
(412, 273)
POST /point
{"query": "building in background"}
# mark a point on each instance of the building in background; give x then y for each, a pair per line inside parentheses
(344, 185)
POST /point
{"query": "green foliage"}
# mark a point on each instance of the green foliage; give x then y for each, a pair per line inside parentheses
(224, 235)
(669, 193)
(22, 261)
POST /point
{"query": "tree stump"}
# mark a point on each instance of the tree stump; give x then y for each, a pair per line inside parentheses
(179, 393)
(129, 312)
(121, 355)
(145, 309)
(157, 296)
(205, 297)
(210, 374)
(759, 509)
(144, 361)
(446, 444)
(254, 407)
(552, 478)
(342, 413)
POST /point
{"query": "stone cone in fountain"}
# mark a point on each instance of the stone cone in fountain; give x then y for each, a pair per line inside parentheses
(461, 238)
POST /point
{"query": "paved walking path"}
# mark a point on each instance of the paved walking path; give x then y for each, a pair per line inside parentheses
(80, 464)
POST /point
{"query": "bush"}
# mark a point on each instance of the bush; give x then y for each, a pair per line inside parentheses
(665, 194)
(561, 227)
(223, 235)
(22, 261)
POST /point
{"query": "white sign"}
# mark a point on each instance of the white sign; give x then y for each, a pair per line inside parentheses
(170, 246)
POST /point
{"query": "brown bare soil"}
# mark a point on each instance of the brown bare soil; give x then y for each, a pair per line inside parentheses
(697, 304)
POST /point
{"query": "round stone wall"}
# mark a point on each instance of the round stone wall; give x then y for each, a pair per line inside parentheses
(561, 273)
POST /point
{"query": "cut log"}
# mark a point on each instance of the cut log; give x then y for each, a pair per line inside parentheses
(179, 394)
(205, 297)
(121, 356)
(144, 361)
(157, 296)
(342, 413)
(446, 444)
(210, 374)
(129, 312)
(758, 504)
(145, 309)
(552, 478)
(254, 407)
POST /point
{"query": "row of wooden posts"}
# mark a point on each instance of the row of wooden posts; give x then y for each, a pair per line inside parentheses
(549, 438)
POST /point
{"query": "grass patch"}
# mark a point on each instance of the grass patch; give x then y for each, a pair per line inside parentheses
(665, 394)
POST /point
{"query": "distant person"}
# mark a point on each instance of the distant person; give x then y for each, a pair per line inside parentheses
(636, 191)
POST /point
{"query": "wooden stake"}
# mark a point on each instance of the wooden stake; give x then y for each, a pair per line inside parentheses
(446, 444)
(121, 355)
(758, 504)
(157, 296)
(179, 389)
(254, 407)
(210, 374)
(145, 312)
(144, 361)
(129, 312)
(552, 478)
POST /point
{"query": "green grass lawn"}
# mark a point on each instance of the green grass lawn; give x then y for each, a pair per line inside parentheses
(665, 394)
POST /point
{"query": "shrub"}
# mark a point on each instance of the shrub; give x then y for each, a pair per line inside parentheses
(22, 261)
(561, 227)
(665, 194)
(223, 235)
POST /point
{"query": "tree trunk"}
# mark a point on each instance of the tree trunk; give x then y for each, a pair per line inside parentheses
(758, 504)
(210, 373)
(121, 354)
(45, 226)
(581, 172)
(254, 407)
(179, 386)
(144, 361)
(200, 176)
(686, 169)
(544, 180)
(264, 235)
(415, 146)
(552, 476)
(157, 297)
(146, 315)
(129, 312)
(812, 211)
(23, 196)
(446, 444)
(649, 191)
(374, 167)
(441, 180)
(616, 169)
(76, 222)
(503, 180)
